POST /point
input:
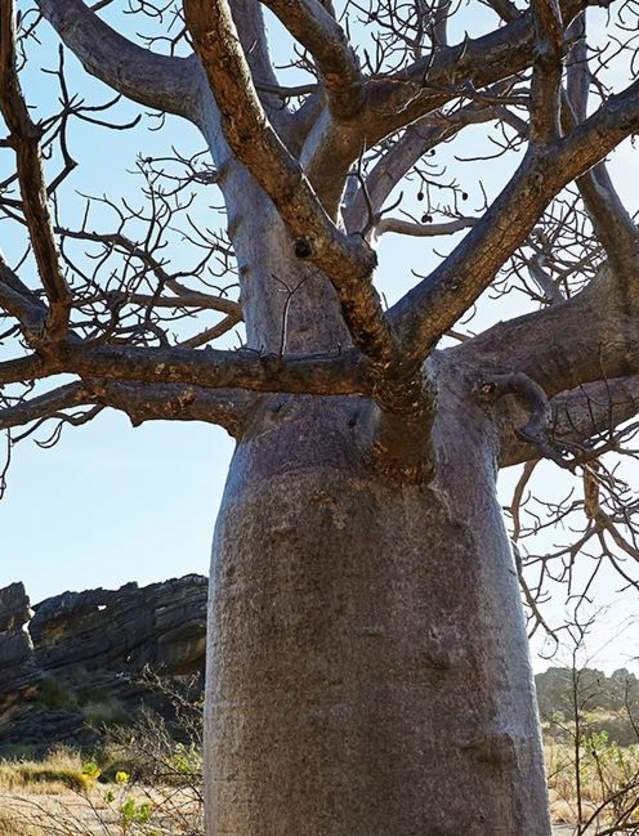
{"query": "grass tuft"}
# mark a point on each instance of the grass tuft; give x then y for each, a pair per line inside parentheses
(56, 774)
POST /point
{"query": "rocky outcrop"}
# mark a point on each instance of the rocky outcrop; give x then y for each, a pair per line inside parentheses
(17, 668)
(78, 659)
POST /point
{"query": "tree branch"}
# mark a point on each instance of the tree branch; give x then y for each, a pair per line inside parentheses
(212, 333)
(229, 408)
(396, 100)
(184, 296)
(416, 140)
(436, 303)
(544, 281)
(24, 138)
(613, 225)
(336, 374)
(46, 405)
(20, 369)
(156, 81)
(18, 301)
(545, 89)
(536, 428)
(577, 416)
(201, 301)
(505, 9)
(402, 227)
(318, 31)
(591, 336)
(347, 261)
(342, 374)
(175, 402)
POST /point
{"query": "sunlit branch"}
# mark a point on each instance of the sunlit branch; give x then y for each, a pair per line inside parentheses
(346, 261)
(434, 305)
(318, 31)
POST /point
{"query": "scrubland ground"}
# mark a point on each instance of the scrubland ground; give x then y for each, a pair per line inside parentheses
(66, 795)
(604, 796)
(118, 794)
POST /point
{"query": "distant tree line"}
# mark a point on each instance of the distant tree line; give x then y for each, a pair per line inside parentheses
(610, 702)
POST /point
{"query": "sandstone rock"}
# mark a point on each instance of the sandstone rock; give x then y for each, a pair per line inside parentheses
(14, 608)
(17, 662)
(80, 653)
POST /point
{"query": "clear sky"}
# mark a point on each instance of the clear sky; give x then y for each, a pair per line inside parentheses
(110, 504)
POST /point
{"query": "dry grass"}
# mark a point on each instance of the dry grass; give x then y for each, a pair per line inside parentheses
(61, 796)
(58, 773)
(609, 776)
(137, 811)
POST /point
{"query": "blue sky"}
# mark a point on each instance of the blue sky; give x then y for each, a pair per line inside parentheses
(110, 504)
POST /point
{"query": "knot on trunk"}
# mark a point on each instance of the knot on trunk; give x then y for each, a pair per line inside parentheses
(303, 248)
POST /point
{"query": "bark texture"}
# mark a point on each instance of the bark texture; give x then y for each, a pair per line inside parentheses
(368, 663)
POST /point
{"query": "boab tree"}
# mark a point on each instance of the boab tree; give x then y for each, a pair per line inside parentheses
(368, 667)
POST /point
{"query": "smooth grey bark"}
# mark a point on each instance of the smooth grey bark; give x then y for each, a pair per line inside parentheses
(265, 252)
(368, 664)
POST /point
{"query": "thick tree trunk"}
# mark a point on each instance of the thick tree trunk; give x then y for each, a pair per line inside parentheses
(368, 671)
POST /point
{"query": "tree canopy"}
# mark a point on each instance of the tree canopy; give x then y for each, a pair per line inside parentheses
(339, 143)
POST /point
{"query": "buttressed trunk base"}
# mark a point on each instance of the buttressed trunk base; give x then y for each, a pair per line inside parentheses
(368, 671)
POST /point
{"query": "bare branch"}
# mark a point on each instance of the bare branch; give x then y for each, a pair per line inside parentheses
(20, 369)
(335, 374)
(535, 431)
(156, 81)
(24, 138)
(577, 71)
(505, 9)
(577, 416)
(396, 100)
(17, 300)
(613, 225)
(392, 166)
(184, 296)
(434, 305)
(171, 402)
(228, 408)
(45, 406)
(347, 261)
(593, 335)
(402, 227)
(200, 301)
(544, 281)
(210, 334)
(318, 31)
(545, 88)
